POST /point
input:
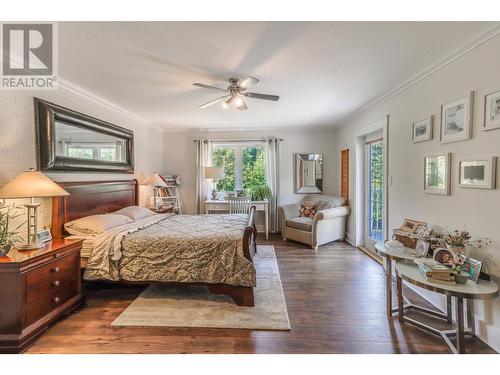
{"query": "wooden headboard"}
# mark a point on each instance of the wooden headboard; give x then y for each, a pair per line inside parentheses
(90, 198)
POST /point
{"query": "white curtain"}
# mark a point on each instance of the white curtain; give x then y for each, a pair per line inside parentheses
(203, 159)
(271, 148)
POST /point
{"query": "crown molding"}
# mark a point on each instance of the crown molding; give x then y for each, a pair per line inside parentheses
(78, 90)
(483, 35)
(281, 129)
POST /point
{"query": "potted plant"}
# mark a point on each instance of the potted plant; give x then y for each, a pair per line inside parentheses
(260, 192)
(7, 236)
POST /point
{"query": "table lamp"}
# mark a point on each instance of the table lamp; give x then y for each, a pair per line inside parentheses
(156, 181)
(31, 184)
(213, 173)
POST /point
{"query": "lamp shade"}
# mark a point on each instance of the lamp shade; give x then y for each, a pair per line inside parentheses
(214, 172)
(154, 180)
(31, 184)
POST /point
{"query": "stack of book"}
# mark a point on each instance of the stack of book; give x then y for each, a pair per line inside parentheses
(436, 272)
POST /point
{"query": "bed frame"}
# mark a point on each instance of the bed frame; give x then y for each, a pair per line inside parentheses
(100, 197)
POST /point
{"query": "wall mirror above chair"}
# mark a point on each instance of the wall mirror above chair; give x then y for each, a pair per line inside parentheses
(308, 173)
(71, 141)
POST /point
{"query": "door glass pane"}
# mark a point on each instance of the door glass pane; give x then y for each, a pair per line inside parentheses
(376, 191)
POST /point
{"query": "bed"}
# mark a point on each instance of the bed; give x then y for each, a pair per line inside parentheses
(211, 250)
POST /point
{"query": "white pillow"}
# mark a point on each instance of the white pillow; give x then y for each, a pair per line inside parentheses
(135, 212)
(96, 224)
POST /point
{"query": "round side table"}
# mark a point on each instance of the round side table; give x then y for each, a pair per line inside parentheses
(470, 291)
(404, 255)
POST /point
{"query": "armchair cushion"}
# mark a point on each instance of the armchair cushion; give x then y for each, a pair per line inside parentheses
(333, 201)
(290, 211)
(300, 223)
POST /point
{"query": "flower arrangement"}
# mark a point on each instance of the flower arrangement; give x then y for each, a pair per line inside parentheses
(7, 214)
(457, 238)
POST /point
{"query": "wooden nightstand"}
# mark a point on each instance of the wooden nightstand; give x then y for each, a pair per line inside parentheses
(37, 287)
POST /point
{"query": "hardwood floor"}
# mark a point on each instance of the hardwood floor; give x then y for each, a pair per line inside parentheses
(335, 299)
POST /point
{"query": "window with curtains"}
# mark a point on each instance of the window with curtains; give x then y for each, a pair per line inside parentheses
(243, 163)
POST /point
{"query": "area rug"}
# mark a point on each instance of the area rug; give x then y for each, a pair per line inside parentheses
(193, 306)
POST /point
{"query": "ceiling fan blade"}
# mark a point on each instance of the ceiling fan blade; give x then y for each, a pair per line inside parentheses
(215, 101)
(255, 95)
(247, 82)
(202, 85)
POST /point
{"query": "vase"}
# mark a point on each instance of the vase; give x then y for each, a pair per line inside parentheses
(4, 250)
(461, 278)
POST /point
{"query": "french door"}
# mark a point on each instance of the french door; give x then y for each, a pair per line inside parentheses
(374, 192)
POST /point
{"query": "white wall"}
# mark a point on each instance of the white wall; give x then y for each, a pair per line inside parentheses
(180, 158)
(477, 210)
(17, 138)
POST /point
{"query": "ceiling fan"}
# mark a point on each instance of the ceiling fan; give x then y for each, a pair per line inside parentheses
(235, 92)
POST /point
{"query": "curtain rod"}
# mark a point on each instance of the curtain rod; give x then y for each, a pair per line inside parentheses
(238, 140)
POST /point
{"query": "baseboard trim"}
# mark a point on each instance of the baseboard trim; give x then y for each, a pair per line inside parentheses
(371, 254)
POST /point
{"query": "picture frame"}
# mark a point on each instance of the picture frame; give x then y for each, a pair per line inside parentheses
(444, 256)
(437, 173)
(492, 111)
(410, 226)
(456, 119)
(472, 267)
(422, 130)
(422, 249)
(479, 173)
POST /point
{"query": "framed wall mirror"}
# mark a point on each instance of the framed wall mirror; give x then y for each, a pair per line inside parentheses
(308, 173)
(71, 141)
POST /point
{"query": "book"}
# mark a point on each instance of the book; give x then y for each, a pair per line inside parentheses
(432, 266)
(439, 280)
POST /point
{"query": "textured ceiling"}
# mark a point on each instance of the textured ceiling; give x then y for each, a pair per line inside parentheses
(322, 71)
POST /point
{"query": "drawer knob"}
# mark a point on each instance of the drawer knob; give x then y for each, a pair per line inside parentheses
(56, 299)
(56, 269)
(56, 283)
(57, 255)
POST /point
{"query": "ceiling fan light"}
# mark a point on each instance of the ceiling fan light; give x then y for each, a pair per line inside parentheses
(238, 102)
(225, 105)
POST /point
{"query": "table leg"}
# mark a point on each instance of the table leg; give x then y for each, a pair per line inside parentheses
(471, 323)
(460, 326)
(266, 219)
(399, 284)
(388, 285)
(448, 309)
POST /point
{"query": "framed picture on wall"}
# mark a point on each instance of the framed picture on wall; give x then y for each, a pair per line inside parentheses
(477, 173)
(492, 111)
(456, 120)
(437, 174)
(422, 130)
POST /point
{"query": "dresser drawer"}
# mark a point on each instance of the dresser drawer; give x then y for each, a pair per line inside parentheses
(51, 269)
(49, 286)
(51, 300)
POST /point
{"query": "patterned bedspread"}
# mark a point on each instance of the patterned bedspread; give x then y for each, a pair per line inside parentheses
(177, 248)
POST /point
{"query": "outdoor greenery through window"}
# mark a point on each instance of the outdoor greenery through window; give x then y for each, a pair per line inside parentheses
(97, 152)
(376, 190)
(244, 166)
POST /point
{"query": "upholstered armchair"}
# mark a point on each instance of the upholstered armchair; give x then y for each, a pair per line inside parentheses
(327, 225)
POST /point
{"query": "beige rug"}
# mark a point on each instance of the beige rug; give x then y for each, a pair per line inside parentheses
(189, 306)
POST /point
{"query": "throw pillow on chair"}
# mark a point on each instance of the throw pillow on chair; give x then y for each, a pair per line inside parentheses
(307, 209)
